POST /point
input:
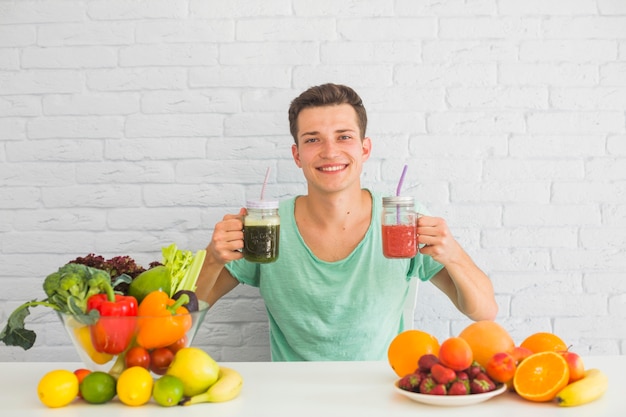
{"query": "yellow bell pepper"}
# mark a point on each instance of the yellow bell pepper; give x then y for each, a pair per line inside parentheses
(83, 336)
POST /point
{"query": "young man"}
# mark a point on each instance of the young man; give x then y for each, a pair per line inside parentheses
(332, 295)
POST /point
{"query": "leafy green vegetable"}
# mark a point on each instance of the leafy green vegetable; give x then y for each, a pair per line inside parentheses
(184, 267)
(67, 291)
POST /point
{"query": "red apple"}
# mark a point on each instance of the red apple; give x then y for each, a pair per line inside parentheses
(501, 367)
(575, 365)
(520, 353)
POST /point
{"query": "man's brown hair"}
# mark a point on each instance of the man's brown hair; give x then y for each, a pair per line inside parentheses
(326, 95)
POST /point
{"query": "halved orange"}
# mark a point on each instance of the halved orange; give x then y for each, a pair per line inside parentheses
(541, 376)
(543, 342)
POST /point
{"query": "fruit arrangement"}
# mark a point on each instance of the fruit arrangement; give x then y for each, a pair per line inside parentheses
(484, 356)
(193, 377)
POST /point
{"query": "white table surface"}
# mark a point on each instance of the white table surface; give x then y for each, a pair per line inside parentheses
(308, 389)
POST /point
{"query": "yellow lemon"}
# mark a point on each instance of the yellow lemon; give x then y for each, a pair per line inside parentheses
(58, 388)
(134, 386)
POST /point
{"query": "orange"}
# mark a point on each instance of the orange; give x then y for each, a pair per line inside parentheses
(486, 338)
(541, 376)
(544, 342)
(407, 347)
(456, 354)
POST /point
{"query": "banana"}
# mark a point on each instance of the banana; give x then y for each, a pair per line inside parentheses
(589, 388)
(227, 387)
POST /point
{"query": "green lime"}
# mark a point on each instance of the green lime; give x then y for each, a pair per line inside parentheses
(98, 387)
(167, 391)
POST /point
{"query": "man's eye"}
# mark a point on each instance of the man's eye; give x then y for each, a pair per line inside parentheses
(309, 140)
(345, 137)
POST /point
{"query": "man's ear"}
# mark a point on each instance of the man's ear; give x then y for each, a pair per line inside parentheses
(367, 148)
(296, 155)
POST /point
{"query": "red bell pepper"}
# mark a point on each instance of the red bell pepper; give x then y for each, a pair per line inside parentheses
(115, 328)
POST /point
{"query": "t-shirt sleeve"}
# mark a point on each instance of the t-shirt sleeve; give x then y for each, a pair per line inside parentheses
(424, 267)
(245, 272)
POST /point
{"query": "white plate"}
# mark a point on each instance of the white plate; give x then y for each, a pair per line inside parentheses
(450, 400)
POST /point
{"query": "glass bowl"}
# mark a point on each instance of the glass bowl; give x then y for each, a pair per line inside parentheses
(102, 342)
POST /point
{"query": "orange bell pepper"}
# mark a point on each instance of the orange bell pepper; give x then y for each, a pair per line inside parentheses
(162, 320)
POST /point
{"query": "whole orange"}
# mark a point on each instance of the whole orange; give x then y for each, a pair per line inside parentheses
(486, 338)
(456, 353)
(407, 347)
(544, 342)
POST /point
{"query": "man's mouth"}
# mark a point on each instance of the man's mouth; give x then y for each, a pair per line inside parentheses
(332, 168)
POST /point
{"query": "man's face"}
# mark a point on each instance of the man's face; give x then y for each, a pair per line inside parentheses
(330, 150)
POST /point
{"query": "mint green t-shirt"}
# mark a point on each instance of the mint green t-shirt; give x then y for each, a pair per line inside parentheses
(345, 310)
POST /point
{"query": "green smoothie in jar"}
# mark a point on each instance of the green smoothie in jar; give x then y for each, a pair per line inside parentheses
(261, 231)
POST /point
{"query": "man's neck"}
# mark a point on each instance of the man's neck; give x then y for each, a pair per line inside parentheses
(336, 209)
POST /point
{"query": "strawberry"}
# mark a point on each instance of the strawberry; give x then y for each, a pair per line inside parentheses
(479, 386)
(474, 369)
(410, 382)
(462, 376)
(459, 387)
(430, 386)
(427, 361)
(442, 374)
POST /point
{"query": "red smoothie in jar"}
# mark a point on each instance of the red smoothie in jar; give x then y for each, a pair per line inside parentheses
(399, 241)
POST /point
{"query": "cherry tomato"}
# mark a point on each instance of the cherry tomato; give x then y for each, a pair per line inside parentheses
(81, 373)
(178, 345)
(160, 359)
(137, 356)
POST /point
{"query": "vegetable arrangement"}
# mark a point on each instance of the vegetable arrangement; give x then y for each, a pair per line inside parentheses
(107, 318)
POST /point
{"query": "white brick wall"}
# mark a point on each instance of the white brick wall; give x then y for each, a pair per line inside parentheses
(126, 125)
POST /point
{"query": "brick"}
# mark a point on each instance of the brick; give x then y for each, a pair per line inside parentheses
(254, 124)
(501, 191)
(92, 33)
(473, 122)
(266, 100)
(587, 27)
(499, 98)
(539, 7)
(556, 146)
(447, 8)
(191, 101)
(446, 74)
(501, 27)
(557, 305)
(53, 150)
(281, 29)
(202, 194)
(614, 214)
(520, 170)
(92, 127)
(235, 76)
(9, 60)
(239, 8)
(557, 51)
(40, 82)
(575, 122)
(91, 104)
(470, 51)
(125, 172)
(136, 79)
(400, 99)
(590, 191)
(597, 237)
(522, 237)
(539, 73)
(17, 197)
(15, 36)
(366, 52)
(546, 282)
(91, 196)
(154, 219)
(50, 241)
(12, 128)
(613, 73)
(356, 76)
(145, 149)
(589, 259)
(173, 125)
(515, 260)
(604, 283)
(552, 215)
(26, 11)
(352, 8)
(60, 220)
(599, 98)
(69, 57)
(269, 53)
(185, 31)
(379, 28)
(398, 122)
(168, 55)
(611, 7)
(605, 169)
(595, 325)
(124, 9)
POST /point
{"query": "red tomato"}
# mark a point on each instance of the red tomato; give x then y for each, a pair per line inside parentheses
(137, 356)
(81, 373)
(160, 359)
(178, 345)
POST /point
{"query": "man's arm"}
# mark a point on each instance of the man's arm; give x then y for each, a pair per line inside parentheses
(214, 280)
(467, 286)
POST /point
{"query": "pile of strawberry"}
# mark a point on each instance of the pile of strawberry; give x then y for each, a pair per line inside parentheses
(434, 378)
